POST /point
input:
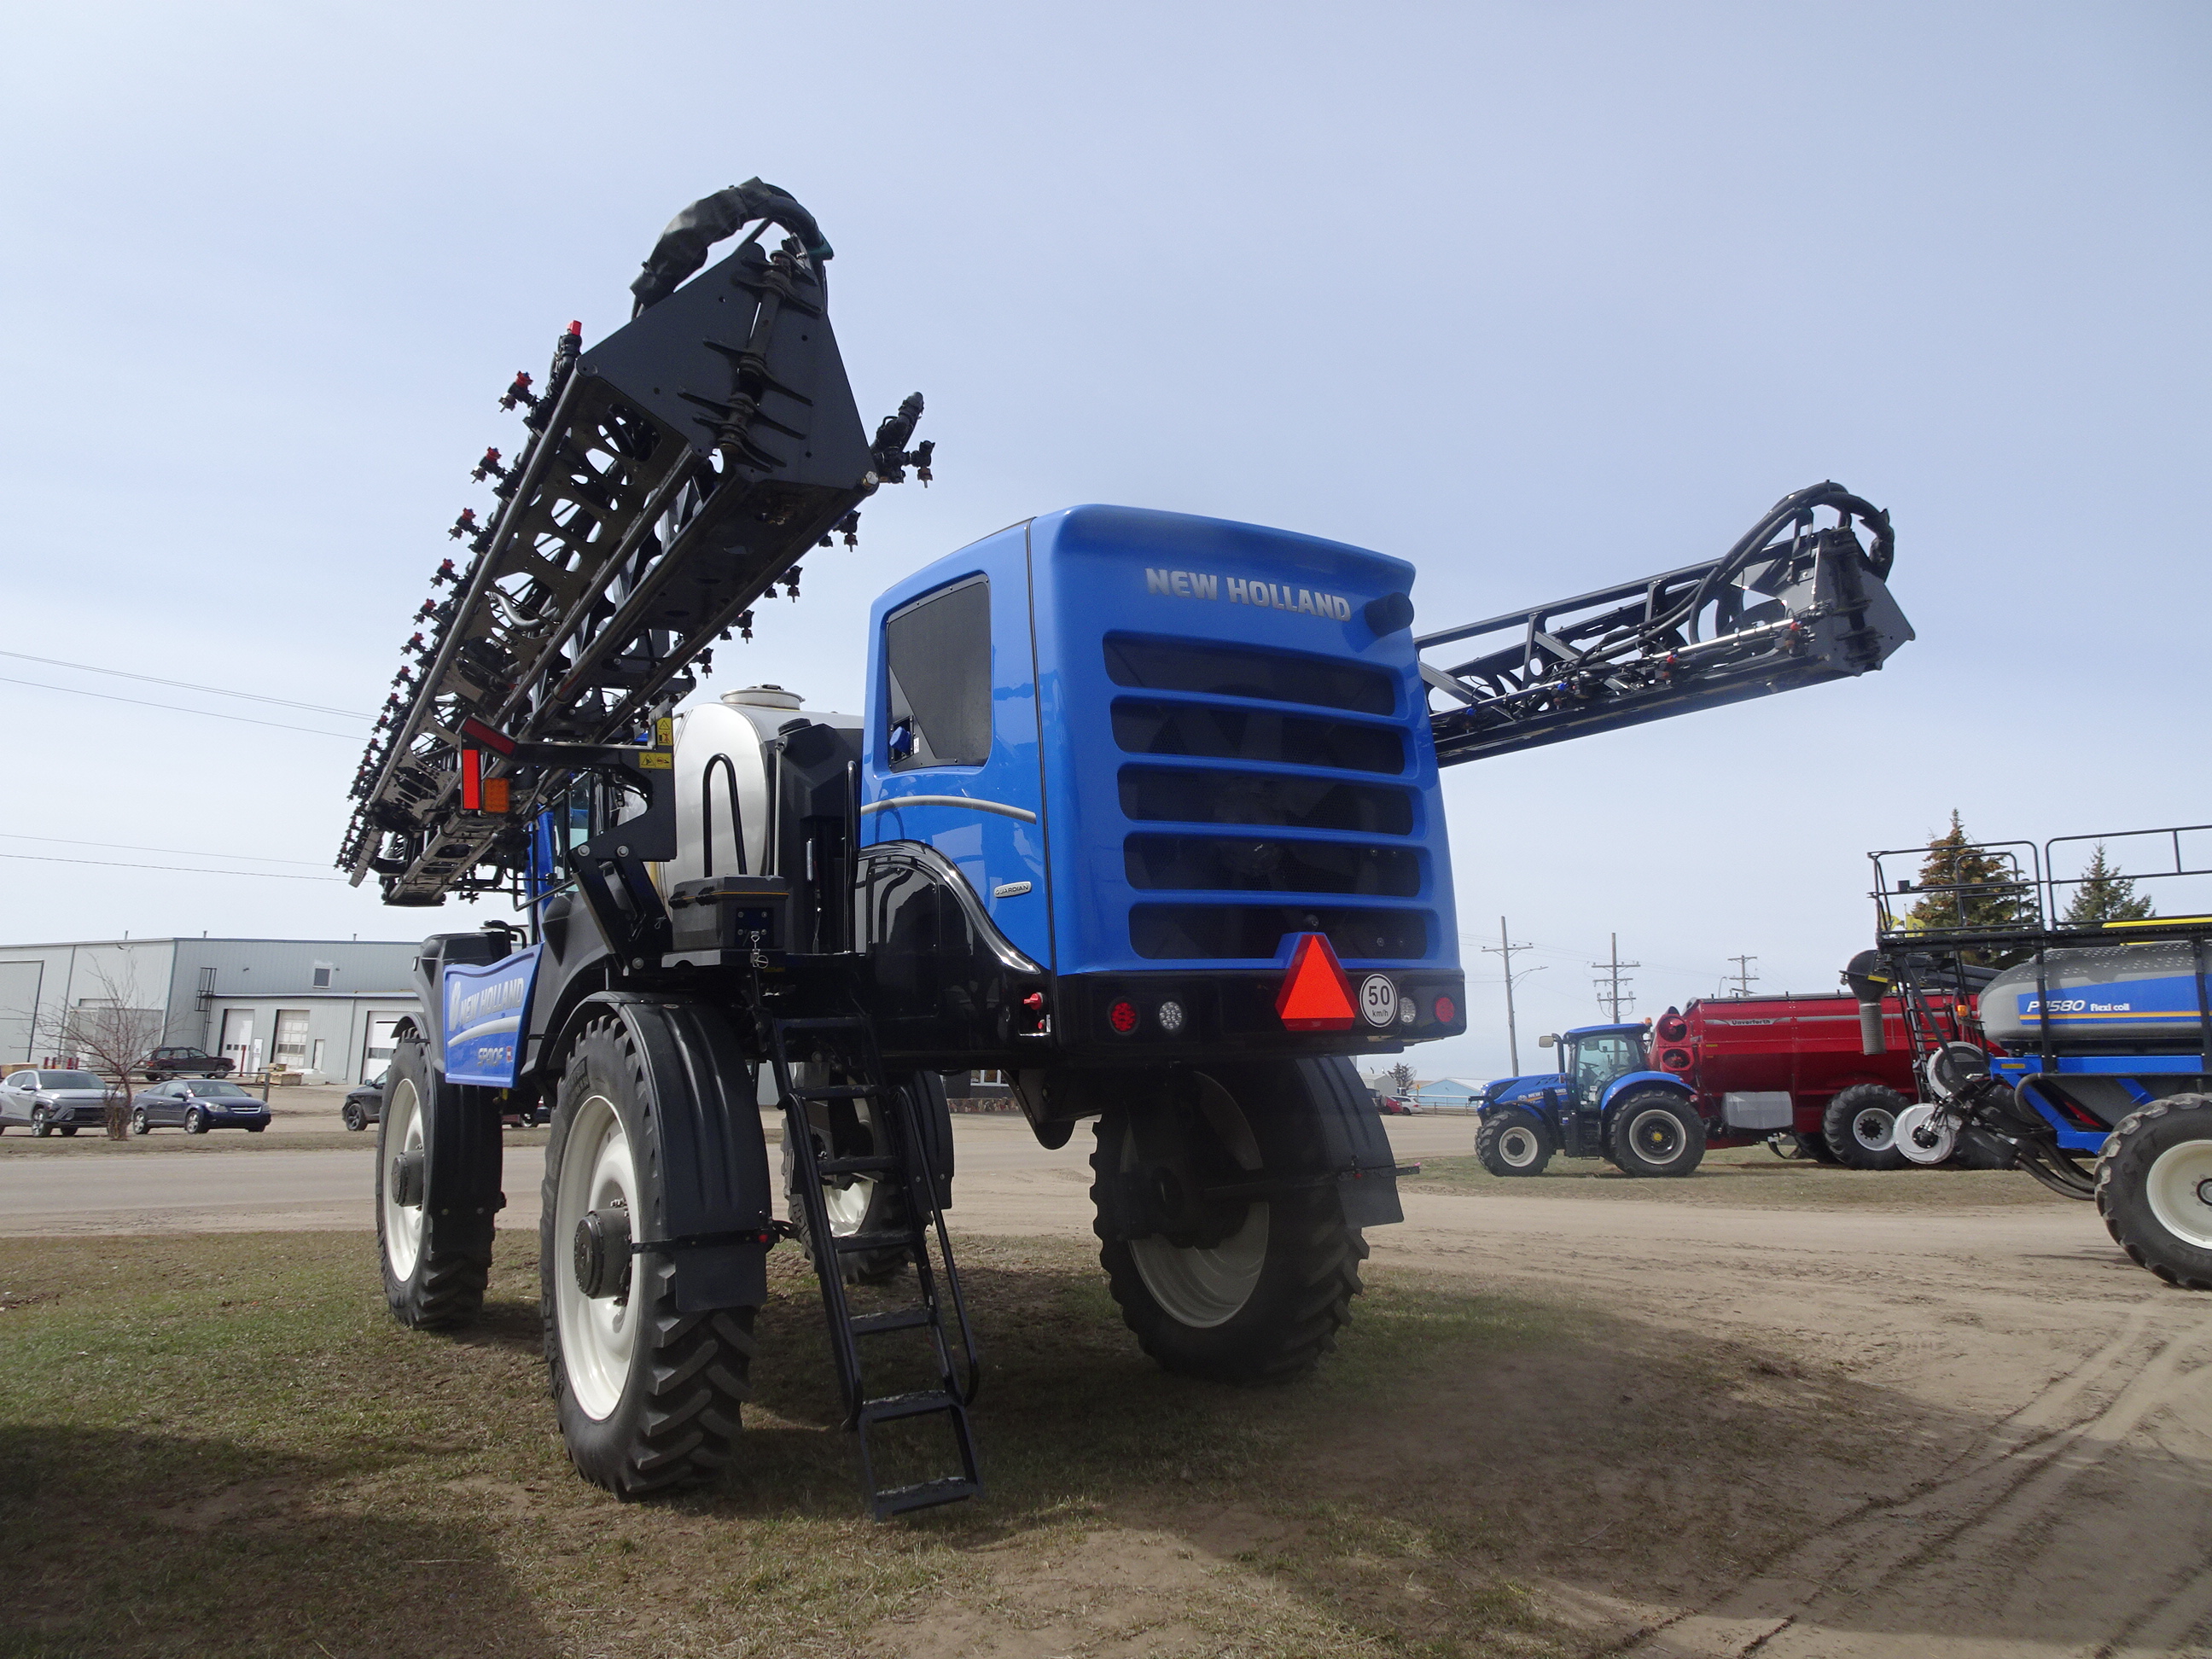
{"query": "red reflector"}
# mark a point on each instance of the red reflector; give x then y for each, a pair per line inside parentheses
(496, 741)
(1315, 995)
(472, 780)
(1447, 1011)
(1122, 1016)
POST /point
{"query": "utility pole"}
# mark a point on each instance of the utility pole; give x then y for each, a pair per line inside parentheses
(1608, 988)
(1506, 947)
(1743, 974)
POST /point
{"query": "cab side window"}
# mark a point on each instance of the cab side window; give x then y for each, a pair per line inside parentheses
(937, 669)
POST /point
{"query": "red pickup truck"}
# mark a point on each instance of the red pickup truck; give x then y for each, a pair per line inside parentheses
(1754, 1061)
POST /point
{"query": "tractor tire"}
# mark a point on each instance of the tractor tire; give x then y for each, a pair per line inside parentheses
(861, 1204)
(1815, 1147)
(1655, 1131)
(434, 1226)
(2154, 1188)
(648, 1397)
(1861, 1127)
(1264, 1303)
(1513, 1141)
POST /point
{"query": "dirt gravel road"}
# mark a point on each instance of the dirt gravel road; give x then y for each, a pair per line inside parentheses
(2040, 1481)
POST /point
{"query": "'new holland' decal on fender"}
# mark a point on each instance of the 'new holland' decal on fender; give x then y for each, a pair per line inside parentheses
(1268, 596)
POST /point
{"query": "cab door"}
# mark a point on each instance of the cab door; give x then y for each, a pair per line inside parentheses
(951, 750)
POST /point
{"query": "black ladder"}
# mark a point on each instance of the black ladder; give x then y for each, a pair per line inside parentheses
(847, 1044)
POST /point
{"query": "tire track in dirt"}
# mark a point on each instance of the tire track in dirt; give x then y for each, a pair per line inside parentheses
(1986, 1557)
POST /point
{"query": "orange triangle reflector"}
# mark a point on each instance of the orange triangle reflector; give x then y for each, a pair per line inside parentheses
(1315, 995)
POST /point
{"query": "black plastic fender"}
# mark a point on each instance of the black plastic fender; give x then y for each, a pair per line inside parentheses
(461, 1164)
(717, 1216)
(1353, 1141)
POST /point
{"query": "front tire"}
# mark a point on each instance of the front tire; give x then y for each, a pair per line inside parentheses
(648, 1397)
(195, 1122)
(352, 1118)
(2154, 1190)
(434, 1207)
(1512, 1141)
(1655, 1131)
(139, 1125)
(1263, 1301)
(1861, 1127)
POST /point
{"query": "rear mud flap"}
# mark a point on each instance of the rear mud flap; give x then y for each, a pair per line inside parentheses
(1353, 1143)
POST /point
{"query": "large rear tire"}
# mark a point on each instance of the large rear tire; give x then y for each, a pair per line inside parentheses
(1513, 1141)
(1258, 1295)
(648, 1397)
(2154, 1188)
(437, 1192)
(1861, 1127)
(1655, 1132)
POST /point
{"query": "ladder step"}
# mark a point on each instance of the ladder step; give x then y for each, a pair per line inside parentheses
(891, 1407)
(838, 1166)
(838, 1091)
(901, 1319)
(926, 1494)
(875, 1242)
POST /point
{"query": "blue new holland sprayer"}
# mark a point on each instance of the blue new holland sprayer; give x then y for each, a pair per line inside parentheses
(1141, 811)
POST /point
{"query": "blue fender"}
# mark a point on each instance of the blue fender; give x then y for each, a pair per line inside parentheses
(1668, 1080)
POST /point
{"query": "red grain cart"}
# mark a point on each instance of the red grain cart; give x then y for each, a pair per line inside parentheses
(1789, 1070)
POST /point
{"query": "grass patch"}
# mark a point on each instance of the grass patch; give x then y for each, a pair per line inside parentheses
(1747, 1177)
(224, 1445)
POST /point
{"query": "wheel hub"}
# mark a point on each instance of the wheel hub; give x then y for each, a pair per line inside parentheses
(2179, 1189)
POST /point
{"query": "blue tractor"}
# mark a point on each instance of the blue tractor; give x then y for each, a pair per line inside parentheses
(1142, 813)
(1603, 1101)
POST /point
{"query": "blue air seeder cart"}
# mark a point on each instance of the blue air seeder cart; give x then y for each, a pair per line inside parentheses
(2089, 1052)
(1142, 810)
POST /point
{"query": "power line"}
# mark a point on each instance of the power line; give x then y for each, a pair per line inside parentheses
(1743, 976)
(187, 851)
(187, 685)
(182, 869)
(1608, 988)
(170, 708)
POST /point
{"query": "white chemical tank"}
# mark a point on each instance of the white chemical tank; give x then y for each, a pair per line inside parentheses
(722, 779)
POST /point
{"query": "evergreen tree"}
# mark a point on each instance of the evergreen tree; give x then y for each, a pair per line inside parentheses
(2104, 896)
(1965, 887)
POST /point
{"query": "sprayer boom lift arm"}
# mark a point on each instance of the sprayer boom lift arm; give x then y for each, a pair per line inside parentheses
(1791, 605)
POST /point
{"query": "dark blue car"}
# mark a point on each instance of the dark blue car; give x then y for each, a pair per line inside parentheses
(196, 1104)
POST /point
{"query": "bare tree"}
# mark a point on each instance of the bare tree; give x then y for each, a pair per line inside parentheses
(113, 1031)
(1401, 1080)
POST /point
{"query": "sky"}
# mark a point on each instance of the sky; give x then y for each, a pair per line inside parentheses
(1539, 297)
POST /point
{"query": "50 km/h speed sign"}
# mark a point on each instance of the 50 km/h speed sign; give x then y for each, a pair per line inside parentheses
(1378, 999)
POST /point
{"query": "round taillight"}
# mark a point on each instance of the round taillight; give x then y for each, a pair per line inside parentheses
(1675, 1060)
(1447, 1011)
(1122, 1016)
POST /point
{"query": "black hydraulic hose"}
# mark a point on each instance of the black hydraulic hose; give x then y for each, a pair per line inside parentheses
(683, 247)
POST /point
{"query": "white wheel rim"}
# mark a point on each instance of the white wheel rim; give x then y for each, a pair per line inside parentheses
(1875, 1129)
(1666, 1142)
(2173, 1187)
(1205, 1286)
(847, 1205)
(1517, 1146)
(1921, 1140)
(403, 1223)
(599, 1335)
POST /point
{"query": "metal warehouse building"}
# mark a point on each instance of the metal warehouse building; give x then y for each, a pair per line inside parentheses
(326, 1006)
